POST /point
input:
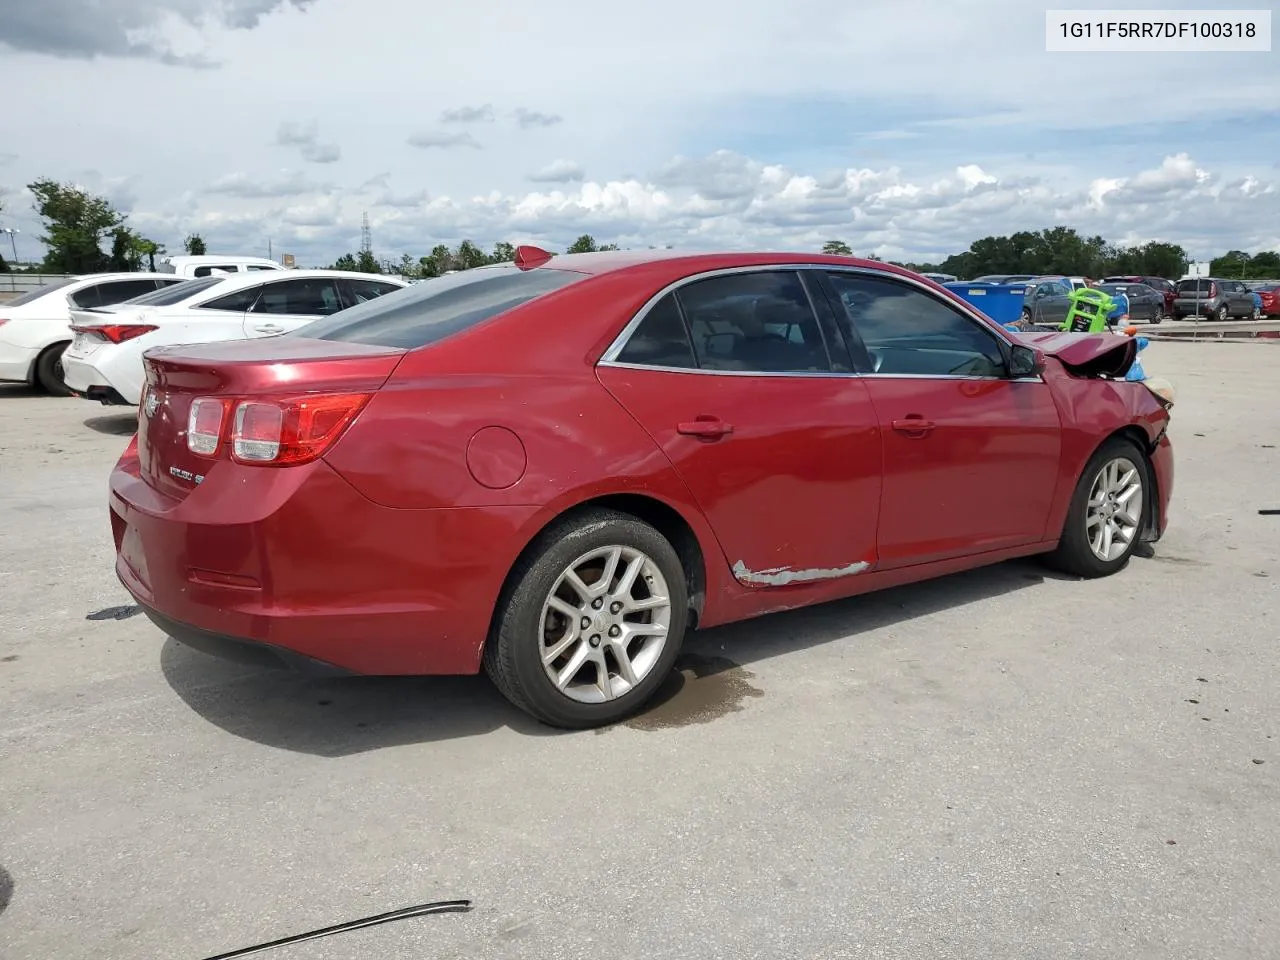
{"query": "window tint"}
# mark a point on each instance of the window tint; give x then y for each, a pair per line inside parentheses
(88, 297)
(304, 297)
(176, 293)
(661, 340)
(358, 291)
(1189, 286)
(434, 309)
(259, 266)
(207, 271)
(910, 333)
(238, 302)
(39, 292)
(759, 321)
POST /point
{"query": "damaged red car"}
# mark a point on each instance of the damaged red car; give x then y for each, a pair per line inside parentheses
(552, 469)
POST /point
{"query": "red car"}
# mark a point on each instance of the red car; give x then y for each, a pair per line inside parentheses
(1270, 300)
(551, 469)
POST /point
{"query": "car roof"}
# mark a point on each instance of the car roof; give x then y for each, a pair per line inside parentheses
(136, 275)
(236, 281)
(684, 262)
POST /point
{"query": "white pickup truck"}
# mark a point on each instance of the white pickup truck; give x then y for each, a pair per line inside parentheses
(208, 264)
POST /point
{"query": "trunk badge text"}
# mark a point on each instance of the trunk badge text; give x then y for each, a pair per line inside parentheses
(152, 403)
(186, 475)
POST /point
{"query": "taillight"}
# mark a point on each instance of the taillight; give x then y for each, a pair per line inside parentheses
(204, 425)
(1213, 290)
(275, 431)
(116, 332)
(3, 321)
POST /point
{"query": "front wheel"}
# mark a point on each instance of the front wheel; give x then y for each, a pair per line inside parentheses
(591, 623)
(49, 371)
(1107, 512)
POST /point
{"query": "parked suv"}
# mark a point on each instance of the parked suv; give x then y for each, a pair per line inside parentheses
(1218, 299)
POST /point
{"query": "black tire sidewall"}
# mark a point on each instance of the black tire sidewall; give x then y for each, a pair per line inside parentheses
(519, 624)
(47, 378)
(1073, 548)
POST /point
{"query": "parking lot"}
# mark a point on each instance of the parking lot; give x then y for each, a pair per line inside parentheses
(1003, 763)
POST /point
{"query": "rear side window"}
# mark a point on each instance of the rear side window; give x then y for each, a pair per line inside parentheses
(428, 312)
(168, 296)
(237, 302)
(208, 271)
(661, 340)
(358, 291)
(121, 290)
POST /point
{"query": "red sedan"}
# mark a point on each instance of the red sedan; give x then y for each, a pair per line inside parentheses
(1270, 300)
(552, 469)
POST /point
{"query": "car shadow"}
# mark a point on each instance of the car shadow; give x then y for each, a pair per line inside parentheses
(340, 717)
(115, 424)
(18, 389)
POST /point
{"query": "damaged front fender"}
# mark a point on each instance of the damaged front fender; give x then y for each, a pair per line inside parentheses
(1087, 355)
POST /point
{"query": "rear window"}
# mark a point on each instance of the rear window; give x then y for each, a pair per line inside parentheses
(38, 292)
(434, 309)
(1190, 286)
(176, 293)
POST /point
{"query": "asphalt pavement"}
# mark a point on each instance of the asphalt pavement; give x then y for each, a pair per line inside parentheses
(1000, 764)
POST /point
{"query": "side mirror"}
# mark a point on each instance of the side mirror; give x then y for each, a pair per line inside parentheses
(1025, 361)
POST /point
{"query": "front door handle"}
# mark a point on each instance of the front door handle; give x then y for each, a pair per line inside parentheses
(914, 426)
(269, 328)
(705, 428)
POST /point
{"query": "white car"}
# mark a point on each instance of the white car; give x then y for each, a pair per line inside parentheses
(36, 327)
(209, 264)
(104, 361)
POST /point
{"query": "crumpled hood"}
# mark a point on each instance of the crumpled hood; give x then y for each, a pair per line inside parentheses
(1086, 354)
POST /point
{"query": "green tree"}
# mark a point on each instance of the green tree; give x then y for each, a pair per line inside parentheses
(345, 262)
(194, 245)
(607, 246)
(584, 244)
(503, 253)
(366, 262)
(151, 250)
(837, 248)
(76, 222)
(127, 250)
(438, 262)
(469, 256)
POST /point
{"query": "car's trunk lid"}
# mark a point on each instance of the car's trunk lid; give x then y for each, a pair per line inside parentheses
(275, 366)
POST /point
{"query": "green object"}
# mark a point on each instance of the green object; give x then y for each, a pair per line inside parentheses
(1088, 311)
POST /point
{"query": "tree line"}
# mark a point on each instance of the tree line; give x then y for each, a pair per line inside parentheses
(1062, 251)
(84, 233)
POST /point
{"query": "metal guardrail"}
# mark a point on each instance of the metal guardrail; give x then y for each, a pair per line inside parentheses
(13, 284)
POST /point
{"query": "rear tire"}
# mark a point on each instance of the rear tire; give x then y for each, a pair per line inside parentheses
(1107, 512)
(558, 610)
(1222, 314)
(49, 371)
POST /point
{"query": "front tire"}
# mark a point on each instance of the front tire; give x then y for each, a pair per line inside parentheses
(49, 371)
(591, 622)
(1107, 512)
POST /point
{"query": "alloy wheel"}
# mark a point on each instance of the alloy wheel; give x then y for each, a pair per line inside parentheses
(604, 624)
(1114, 513)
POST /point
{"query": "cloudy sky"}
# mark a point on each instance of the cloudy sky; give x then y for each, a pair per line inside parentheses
(906, 128)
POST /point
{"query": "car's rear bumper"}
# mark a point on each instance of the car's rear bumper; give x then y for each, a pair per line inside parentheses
(85, 380)
(297, 563)
(16, 363)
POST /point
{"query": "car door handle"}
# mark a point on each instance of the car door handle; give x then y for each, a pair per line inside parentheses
(269, 328)
(705, 428)
(914, 426)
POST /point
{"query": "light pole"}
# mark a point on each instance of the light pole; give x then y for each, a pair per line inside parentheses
(12, 232)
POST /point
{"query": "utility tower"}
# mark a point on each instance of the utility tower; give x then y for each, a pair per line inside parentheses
(366, 236)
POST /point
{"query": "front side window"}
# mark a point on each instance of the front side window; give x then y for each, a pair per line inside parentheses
(909, 333)
(661, 339)
(207, 271)
(358, 291)
(760, 321)
(308, 296)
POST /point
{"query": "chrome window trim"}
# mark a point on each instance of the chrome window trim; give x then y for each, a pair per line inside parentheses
(610, 355)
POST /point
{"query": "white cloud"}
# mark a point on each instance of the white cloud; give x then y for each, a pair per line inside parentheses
(292, 184)
(481, 114)
(558, 171)
(536, 118)
(442, 139)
